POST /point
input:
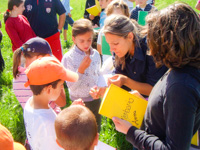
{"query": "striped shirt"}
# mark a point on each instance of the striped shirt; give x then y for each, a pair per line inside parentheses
(24, 93)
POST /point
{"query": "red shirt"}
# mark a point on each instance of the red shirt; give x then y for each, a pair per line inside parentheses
(19, 31)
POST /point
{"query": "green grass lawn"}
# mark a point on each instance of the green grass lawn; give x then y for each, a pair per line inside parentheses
(11, 113)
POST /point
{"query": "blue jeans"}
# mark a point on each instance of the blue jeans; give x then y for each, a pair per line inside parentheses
(68, 20)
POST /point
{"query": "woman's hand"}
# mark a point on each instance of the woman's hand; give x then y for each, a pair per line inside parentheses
(136, 93)
(121, 125)
(117, 80)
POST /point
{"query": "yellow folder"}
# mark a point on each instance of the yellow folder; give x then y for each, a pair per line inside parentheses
(94, 10)
(195, 139)
(117, 102)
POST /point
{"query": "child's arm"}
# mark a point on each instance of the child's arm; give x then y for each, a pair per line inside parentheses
(13, 34)
(84, 64)
(97, 93)
(69, 64)
(198, 5)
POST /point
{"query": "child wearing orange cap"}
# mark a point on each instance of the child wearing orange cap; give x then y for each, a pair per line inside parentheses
(33, 49)
(7, 142)
(46, 76)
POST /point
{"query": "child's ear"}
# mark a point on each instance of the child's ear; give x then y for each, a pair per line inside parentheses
(48, 89)
(95, 142)
(73, 39)
(58, 143)
(14, 7)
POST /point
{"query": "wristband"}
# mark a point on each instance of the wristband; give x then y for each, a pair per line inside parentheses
(59, 30)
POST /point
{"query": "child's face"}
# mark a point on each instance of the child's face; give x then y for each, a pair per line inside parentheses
(83, 41)
(20, 9)
(141, 3)
(28, 61)
(103, 3)
(55, 93)
(117, 11)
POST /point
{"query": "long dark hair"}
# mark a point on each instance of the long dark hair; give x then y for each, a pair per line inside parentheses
(11, 3)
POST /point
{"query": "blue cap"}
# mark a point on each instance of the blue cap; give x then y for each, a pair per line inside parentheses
(38, 45)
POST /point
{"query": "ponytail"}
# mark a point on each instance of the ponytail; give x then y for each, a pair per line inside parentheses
(11, 4)
(6, 15)
(16, 61)
(26, 54)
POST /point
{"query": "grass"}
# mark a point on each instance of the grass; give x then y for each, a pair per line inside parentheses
(11, 113)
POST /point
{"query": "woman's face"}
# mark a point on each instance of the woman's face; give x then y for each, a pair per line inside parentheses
(119, 45)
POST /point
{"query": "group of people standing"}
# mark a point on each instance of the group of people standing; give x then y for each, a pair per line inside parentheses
(160, 60)
(30, 18)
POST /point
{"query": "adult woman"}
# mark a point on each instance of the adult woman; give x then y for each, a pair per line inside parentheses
(134, 68)
(173, 111)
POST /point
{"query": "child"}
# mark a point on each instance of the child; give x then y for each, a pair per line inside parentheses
(7, 141)
(94, 19)
(22, 58)
(16, 25)
(68, 20)
(2, 64)
(129, 4)
(141, 6)
(46, 76)
(173, 112)
(115, 7)
(76, 128)
(103, 5)
(83, 59)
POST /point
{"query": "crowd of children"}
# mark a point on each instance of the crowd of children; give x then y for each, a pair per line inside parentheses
(160, 60)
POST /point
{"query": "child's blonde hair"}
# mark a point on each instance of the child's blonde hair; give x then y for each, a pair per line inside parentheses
(76, 128)
(117, 4)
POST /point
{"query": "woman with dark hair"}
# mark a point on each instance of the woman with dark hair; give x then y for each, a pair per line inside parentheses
(173, 112)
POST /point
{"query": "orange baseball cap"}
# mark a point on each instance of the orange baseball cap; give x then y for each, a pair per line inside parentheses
(7, 142)
(46, 70)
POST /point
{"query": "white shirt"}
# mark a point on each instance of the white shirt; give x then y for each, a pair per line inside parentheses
(72, 60)
(40, 131)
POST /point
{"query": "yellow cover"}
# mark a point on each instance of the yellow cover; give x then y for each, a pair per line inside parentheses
(195, 139)
(117, 102)
(94, 10)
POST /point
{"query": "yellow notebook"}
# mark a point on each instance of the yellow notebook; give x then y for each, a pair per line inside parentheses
(94, 10)
(195, 139)
(117, 102)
